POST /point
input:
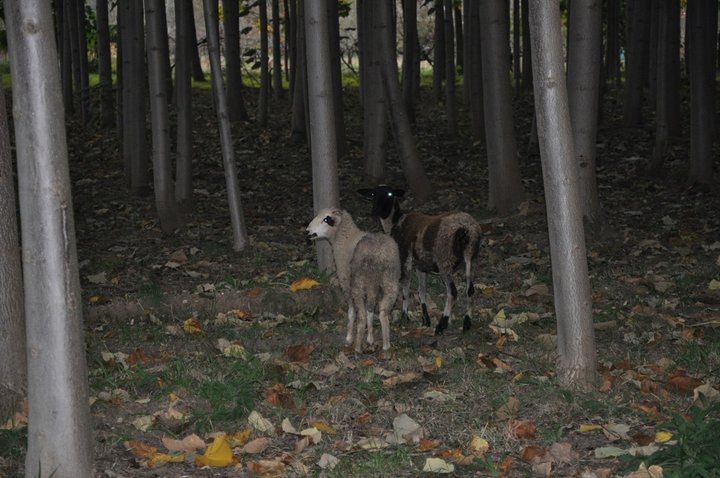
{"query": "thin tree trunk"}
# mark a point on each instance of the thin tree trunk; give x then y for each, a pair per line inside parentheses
(83, 64)
(134, 126)
(473, 71)
(13, 366)
(573, 296)
(516, 46)
(291, 40)
(277, 54)
(527, 74)
(322, 122)
(196, 65)
(165, 203)
(505, 186)
(459, 37)
(336, 72)
(298, 121)
(107, 103)
(661, 101)
(411, 58)
(183, 103)
(59, 435)
(233, 65)
(584, 64)
(450, 99)
(71, 14)
(438, 51)
(672, 88)
(237, 219)
(262, 115)
(612, 51)
(66, 58)
(636, 61)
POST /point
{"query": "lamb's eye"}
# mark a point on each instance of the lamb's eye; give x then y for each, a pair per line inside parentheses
(329, 221)
(390, 194)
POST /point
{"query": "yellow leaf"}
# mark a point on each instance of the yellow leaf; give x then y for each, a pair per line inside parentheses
(323, 427)
(438, 361)
(239, 438)
(219, 454)
(588, 428)
(192, 326)
(479, 446)
(165, 458)
(303, 283)
(662, 437)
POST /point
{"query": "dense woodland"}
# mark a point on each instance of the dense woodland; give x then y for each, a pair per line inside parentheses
(159, 162)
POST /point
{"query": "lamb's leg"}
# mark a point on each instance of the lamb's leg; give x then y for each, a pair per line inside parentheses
(361, 321)
(422, 288)
(386, 304)
(370, 335)
(469, 291)
(406, 298)
(451, 293)
(350, 324)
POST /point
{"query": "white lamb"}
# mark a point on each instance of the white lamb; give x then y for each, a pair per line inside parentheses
(368, 269)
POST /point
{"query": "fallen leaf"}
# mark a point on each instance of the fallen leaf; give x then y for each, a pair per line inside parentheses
(144, 422)
(609, 452)
(299, 353)
(255, 446)
(278, 395)
(259, 423)
(563, 453)
(218, 454)
(158, 458)
(522, 429)
(662, 437)
(402, 378)
(427, 445)
(323, 427)
(267, 468)
(192, 326)
(188, 444)
(588, 428)
(303, 283)
(140, 449)
(437, 465)
(239, 438)
(479, 446)
(683, 384)
(534, 454)
(372, 443)
(510, 408)
(328, 462)
(405, 429)
(654, 471)
(313, 433)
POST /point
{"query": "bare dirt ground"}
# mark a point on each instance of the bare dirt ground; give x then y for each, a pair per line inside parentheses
(187, 337)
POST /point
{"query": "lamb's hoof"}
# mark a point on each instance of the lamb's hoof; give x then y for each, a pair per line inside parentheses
(466, 323)
(405, 317)
(385, 354)
(442, 325)
(426, 316)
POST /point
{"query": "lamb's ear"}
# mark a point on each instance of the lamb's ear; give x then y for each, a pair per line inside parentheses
(399, 192)
(367, 192)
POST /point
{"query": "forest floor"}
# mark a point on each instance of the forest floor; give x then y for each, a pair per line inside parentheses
(189, 340)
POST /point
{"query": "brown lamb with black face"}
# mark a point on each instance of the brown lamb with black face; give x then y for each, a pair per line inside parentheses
(368, 269)
(437, 243)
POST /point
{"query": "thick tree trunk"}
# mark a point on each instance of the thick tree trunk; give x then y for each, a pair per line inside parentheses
(450, 100)
(13, 366)
(702, 24)
(183, 104)
(584, 92)
(505, 187)
(573, 298)
(322, 118)
(233, 65)
(60, 427)
(164, 188)
(237, 219)
(107, 103)
(262, 114)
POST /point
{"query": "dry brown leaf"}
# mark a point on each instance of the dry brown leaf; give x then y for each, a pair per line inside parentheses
(510, 408)
(267, 468)
(683, 384)
(140, 449)
(427, 445)
(563, 452)
(299, 353)
(188, 444)
(280, 396)
(522, 429)
(535, 454)
(402, 378)
(255, 446)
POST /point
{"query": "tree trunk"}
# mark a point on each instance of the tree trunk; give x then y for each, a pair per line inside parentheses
(107, 103)
(473, 71)
(375, 117)
(197, 71)
(459, 36)
(233, 65)
(183, 103)
(83, 64)
(60, 427)
(71, 15)
(612, 51)
(165, 203)
(336, 72)
(237, 219)
(262, 115)
(322, 122)
(636, 62)
(438, 51)
(505, 187)
(277, 54)
(450, 102)
(66, 65)
(291, 40)
(661, 101)
(672, 88)
(584, 64)
(411, 58)
(527, 74)
(702, 25)
(516, 46)
(298, 122)
(13, 366)
(409, 158)
(573, 299)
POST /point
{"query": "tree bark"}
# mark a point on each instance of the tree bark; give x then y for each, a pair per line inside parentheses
(672, 88)
(322, 122)
(505, 187)
(584, 92)
(662, 94)
(450, 100)
(517, 59)
(411, 58)
(612, 50)
(527, 74)
(636, 61)
(277, 54)
(164, 188)
(298, 122)
(237, 219)
(576, 366)
(107, 103)
(438, 51)
(336, 73)
(233, 65)
(183, 105)
(66, 56)
(473, 71)
(13, 366)
(702, 26)
(83, 62)
(262, 115)
(197, 71)
(60, 428)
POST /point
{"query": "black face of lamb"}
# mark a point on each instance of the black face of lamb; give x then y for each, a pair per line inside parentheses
(386, 201)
